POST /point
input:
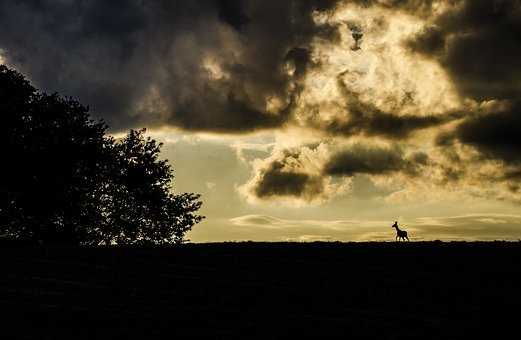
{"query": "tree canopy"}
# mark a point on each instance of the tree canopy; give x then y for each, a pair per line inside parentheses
(65, 180)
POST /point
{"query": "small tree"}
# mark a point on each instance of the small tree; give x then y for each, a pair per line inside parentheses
(66, 181)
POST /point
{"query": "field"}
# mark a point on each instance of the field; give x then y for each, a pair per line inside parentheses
(428, 290)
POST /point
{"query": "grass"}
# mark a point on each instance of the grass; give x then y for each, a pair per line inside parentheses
(262, 290)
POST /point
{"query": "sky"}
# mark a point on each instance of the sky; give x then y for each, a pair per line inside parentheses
(302, 120)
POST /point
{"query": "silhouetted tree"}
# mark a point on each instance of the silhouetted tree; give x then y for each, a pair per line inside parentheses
(66, 181)
(138, 206)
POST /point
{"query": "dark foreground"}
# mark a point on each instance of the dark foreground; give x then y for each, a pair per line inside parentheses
(429, 290)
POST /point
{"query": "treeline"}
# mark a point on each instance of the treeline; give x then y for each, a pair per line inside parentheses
(66, 181)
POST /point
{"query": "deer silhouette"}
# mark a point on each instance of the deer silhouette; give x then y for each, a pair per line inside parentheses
(400, 234)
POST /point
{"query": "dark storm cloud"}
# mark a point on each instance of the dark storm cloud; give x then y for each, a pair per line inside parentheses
(366, 119)
(300, 59)
(142, 63)
(479, 44)
(82, 49)
(223, 112)
(360, 159)
(495, 134)
(280, 178)
(232, 12)
(291, 174)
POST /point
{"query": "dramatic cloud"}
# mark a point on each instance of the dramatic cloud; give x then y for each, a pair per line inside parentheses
(373, 160)
(496, 134)
(368, 82)
(317, 173)
(483, 151)
(275, 180)
(478, 44)
(231, 66)
(419, 97)
(199, 65)
(365, 119)
(294, 175)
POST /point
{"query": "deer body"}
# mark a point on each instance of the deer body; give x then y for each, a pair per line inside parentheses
(400, 234)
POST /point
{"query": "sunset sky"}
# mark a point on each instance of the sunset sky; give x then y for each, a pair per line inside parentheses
(302, 120)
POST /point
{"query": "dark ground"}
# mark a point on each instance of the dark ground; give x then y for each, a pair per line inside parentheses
(428, 290)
